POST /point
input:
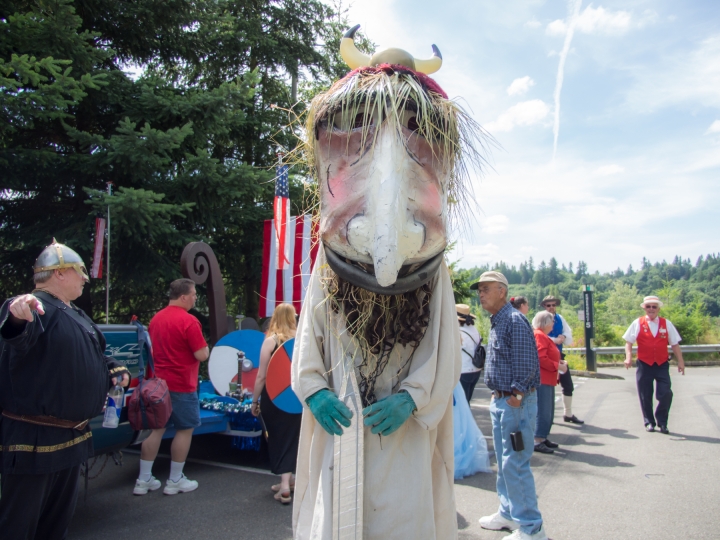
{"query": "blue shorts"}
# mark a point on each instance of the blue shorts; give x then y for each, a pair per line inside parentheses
(185, 410)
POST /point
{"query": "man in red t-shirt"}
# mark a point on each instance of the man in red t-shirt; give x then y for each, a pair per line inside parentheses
(178, 348)
(653, 335)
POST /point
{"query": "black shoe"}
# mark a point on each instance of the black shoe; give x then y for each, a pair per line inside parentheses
(543, 448)
(664, 430)
(649, 428)
(574, 419)
(550, 444)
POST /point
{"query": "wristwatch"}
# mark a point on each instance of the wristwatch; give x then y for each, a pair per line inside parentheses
(519, 397)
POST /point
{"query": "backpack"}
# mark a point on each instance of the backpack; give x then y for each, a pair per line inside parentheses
(478, 358)
(149, 406)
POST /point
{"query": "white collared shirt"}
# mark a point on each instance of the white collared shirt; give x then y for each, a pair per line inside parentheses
(632, 333)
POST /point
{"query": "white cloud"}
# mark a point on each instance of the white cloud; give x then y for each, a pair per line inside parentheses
(600, 21)
(532, 24)
(691, 78)
(495, 224)
(607, 170)
(520, 86)
(714, 127)
(597, 214)
(525, 113)
(556, 28)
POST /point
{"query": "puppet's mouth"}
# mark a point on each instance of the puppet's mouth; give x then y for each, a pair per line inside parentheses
(410, 276)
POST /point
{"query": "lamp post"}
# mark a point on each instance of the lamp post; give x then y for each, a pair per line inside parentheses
(591, 365)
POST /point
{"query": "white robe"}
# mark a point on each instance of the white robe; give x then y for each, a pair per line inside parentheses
(408, 484)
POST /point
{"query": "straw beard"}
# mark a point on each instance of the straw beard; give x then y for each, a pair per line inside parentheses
(379, 323)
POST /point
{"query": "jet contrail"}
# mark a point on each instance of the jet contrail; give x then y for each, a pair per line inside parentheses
(561, 69)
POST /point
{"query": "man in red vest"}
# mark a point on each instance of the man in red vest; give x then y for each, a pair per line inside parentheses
(653, 335)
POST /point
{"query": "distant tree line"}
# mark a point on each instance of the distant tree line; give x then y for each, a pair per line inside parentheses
(691, 293)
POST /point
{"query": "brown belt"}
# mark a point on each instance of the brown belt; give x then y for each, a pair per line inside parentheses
(43, 420)
(502, 393)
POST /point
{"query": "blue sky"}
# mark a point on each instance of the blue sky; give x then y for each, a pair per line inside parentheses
(636, 170)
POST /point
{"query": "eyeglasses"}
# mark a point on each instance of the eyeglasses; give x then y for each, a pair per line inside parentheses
(550, 305)
(651, 307)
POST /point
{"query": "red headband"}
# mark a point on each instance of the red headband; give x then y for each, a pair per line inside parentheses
(428, 83)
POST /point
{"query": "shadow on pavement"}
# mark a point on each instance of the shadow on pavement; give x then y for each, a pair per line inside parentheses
(595, 460)
(589, 429)
(462, 522)
(694, 438)
(484, 481)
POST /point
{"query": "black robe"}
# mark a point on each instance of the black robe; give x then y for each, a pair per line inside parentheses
(55, 366)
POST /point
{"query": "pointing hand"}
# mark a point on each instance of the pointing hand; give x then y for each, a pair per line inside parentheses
(22, 307)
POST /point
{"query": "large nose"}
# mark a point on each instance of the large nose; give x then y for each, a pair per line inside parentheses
(387, 230)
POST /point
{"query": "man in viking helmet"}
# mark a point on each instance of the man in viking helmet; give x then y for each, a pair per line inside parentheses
(53, 380)
(378, 350)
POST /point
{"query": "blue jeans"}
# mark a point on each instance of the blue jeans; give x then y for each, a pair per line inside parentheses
(546, 410)
(515, 482)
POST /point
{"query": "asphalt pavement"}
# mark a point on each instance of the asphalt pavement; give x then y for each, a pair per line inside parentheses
(608, 480)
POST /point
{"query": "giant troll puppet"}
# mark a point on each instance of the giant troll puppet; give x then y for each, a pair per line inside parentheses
(377, 352)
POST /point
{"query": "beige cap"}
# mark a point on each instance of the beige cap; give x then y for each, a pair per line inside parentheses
(490, 276)
(651, 300)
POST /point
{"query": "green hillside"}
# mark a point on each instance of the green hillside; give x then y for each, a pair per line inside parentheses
(690, 292)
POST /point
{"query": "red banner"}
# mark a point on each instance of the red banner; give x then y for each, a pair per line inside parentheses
(96, 270)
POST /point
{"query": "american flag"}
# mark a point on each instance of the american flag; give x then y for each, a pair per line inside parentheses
(289, 285)
(281, 213)
(96, 269)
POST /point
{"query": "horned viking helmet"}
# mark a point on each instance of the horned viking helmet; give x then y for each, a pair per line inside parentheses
(356, 59)
(57, 256)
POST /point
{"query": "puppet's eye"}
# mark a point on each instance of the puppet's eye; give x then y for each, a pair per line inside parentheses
(352, 119)
(409, 120)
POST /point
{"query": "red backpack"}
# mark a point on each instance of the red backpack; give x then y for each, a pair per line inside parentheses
(149, 406)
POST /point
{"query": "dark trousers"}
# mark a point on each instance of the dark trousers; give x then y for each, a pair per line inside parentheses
(566, 383)
(646, 375)
(468, 382)
(38, 506)
(660, 375)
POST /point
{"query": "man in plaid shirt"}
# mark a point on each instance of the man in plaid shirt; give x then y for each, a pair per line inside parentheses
(512, 372)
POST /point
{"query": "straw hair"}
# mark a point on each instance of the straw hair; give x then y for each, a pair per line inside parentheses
(387, 95)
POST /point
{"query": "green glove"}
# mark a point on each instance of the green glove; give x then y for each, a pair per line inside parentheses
(388, 414)
(328, 410)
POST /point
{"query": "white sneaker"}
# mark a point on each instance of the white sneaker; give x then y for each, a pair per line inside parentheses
(141, 487)
(497, 523)
(183, 485)
(519, 535)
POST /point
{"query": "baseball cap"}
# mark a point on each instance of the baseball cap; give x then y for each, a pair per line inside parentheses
(490, 276)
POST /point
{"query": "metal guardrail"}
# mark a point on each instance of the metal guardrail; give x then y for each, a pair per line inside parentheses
(621, 350)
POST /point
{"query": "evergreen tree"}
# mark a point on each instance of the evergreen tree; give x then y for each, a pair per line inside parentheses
(189, 144)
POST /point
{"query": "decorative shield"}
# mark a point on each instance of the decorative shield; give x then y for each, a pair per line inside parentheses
(223, 363)
(278, 380)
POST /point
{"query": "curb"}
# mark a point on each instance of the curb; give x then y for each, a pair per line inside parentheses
(595, 374)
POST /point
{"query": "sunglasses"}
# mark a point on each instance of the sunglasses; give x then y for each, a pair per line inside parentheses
(550, 305)
(651, 307)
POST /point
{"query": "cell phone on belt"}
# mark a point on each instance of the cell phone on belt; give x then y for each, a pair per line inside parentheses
(517, 441)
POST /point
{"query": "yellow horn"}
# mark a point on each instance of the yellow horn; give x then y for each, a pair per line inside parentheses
(350, 53)
(430, 65)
